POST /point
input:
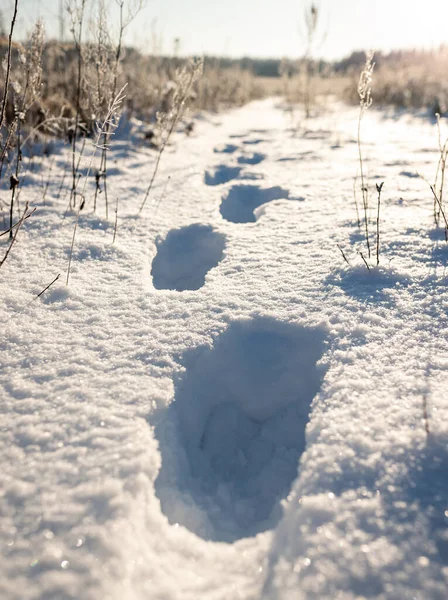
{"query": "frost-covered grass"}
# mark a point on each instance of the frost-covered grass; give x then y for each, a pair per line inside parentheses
(218, 405)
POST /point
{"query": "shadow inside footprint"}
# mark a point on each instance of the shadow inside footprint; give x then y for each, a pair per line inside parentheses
(232, 438)
(185, 257)
(221, 174)
(226, 149)
(255, 159)
(253, 142)
(241, 201)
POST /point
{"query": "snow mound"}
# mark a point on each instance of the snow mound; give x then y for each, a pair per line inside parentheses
(241, 201)
(241, 411)
(185, 257)
(377, 283)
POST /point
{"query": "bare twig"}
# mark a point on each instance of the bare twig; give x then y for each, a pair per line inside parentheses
(116, 220)
(379, 187)
(365, 101)
(47, 182)
(441, 167)
(19, 225)
(15, 224)
(365, 262)
(355, 181)
(8, 65)
(113, 108)
(442, 212)
(173, 119)
(48, 286)
(77, 16)
(343, 255)
(162, 196)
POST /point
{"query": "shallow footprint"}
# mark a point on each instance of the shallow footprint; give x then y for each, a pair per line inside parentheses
(185, 257)
(239, 419)
(226, 149)
(253, 142)
(221, 174)
(241, 201)
(254, 159)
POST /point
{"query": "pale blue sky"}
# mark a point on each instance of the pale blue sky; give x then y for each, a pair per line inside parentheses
(268, 27)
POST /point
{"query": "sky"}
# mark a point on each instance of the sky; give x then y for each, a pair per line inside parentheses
(264, 28)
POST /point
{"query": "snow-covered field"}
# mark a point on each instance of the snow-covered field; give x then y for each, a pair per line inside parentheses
(217, 406)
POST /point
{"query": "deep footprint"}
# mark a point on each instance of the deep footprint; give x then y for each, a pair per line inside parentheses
(185, 257)
(221, 174)
(241, 201)
(239, 418)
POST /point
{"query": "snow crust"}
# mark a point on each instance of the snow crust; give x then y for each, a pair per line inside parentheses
(218, 406)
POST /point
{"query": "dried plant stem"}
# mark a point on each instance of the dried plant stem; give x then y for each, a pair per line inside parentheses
(365, 262)
(364, 187)
(162, 196)
(15, 224)
(15, 180)
(343, 254)
(62, 182)
(355, 180)
(365, 101)
(441, 167)
(48, 286)
(8, 65)
(11, 209)
(378, 189)
(6, 145)
(441, 210)
(78, 39)
(116, 220)
(18, 226)
(47, 182)
(180, 106)
(106, 135)
(113, 108)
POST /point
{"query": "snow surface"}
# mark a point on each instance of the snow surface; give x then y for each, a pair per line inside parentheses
(217, 406)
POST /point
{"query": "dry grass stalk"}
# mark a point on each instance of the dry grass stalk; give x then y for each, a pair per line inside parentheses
(311, 22)
(76, 12)
(17, 227)
(111, 120)
(365, 101)
(8, 68)
(26, 90)
(48, 286)
(439, 180)
(168, 119)
(379, 188)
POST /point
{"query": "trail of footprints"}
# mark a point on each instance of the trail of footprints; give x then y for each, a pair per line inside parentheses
(232, 438)
(187, 254)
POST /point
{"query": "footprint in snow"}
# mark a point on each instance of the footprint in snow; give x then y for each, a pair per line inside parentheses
(226, 149)
(411, 174)
(221, 174)
(232, 439)
(253, 159)
(253, 142)
(185, 257)
(239, 204)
